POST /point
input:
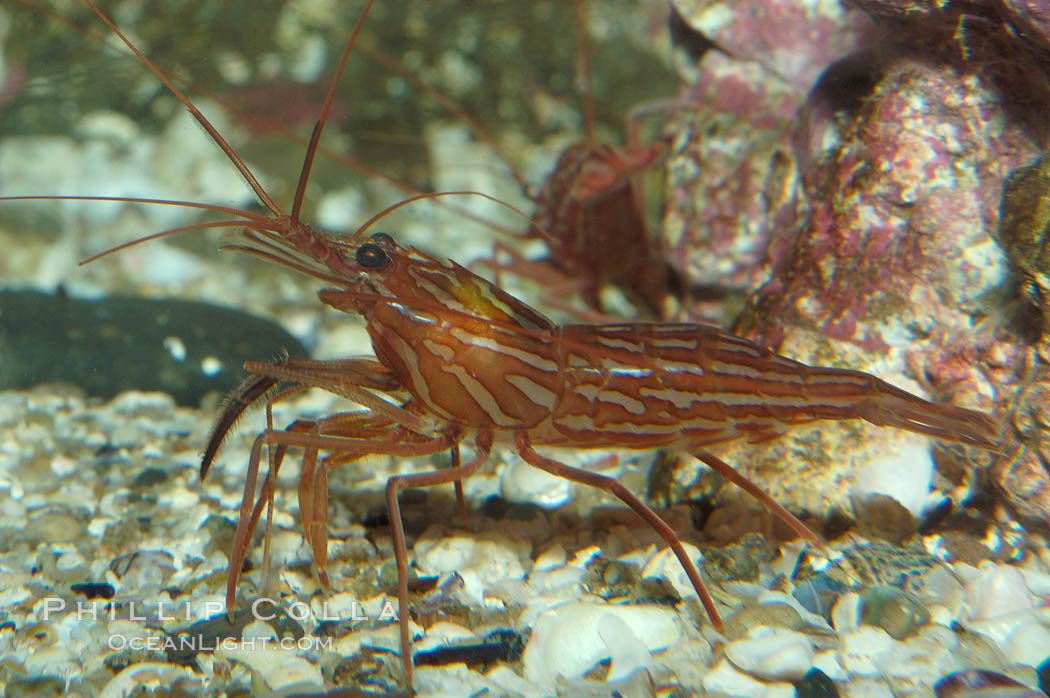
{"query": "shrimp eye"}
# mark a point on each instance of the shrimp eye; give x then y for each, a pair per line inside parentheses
(382, 238)
(372, 256)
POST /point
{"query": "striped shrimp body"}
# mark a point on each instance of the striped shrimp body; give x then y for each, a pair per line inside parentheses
(486, 367)
(492, 362)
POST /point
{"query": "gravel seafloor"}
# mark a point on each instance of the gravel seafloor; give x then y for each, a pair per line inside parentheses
(115, 556)
(108, 493)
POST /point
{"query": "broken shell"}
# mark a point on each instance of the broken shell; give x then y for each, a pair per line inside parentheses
(772, 654)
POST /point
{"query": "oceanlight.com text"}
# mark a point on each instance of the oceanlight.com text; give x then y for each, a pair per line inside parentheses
(200, 643)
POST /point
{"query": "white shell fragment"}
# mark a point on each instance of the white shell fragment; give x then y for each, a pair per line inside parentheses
(665, 564)
(905, 473)
(567, 640)
(772, 654)
(280, 668)
(147, 675)
(996, 590)
(627, 652)
(1029, 644)
(522, 482)
(860, 649)
(480, 563)
(726, 680)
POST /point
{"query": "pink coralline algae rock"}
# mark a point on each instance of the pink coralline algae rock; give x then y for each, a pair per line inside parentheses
(1005, 42)
(857, 215)
(729, 157)
(897, 246)
(733, 152)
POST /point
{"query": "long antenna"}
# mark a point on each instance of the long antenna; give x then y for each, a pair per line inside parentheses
(264, 198)
(311, 150)
(585, 69)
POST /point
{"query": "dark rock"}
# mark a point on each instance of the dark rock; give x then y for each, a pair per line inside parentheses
(182, 348)
(499, 645)
(816, 684)
(148, 478)
(94, 590)
(1024, 231)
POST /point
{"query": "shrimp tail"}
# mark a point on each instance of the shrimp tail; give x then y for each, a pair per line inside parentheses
(894, 407)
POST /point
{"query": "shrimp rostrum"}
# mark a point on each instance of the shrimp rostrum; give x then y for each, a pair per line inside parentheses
(458, 361)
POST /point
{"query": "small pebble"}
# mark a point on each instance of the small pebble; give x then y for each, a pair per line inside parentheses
(69, 561)
(904, 474)
(977, 683)
(553, 557)
(914, 665)
(778, 615)
(860, 649)
(846, 613)
(480, 563)
(727, 680)
(665, 565)
(639, 684)
(53, 659)
(14, 595)
(259, 630)
(772, 654)
(816, 684)
(627, 653)
(818, 594)
(828, 663)
(996, 590)
(144, 568)
(280, 668)
(977, 650)
(869, 687)
(522, 483)
(1029, 644)
(94, 590)
(881, 517)
(898, 613)
(938, 587)
(55, 525)
(148, 478)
